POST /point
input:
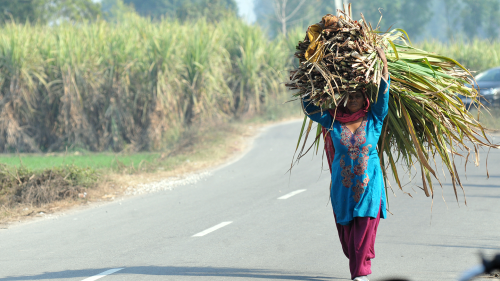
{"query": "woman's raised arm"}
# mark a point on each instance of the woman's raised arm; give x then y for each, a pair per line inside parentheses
(381, 107)
(314, 113)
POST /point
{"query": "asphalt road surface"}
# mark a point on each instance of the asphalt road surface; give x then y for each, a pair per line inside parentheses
(233, 226)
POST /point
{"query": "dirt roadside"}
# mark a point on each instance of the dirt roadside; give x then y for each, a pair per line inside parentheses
(115, 186)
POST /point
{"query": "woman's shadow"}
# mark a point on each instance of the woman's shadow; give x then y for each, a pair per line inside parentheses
(177, 271)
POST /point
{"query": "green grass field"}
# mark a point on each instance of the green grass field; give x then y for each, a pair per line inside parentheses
(40, 162)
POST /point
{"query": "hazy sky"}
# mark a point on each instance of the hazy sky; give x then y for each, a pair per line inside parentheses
(246, 9)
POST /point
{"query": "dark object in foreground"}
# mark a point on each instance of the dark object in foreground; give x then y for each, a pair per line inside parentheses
(492, 265)
(487, 267)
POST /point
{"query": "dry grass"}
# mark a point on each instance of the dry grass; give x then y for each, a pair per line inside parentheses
(22, 186)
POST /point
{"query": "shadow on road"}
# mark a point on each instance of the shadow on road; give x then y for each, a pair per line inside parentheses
(176, 271)
(453, 246)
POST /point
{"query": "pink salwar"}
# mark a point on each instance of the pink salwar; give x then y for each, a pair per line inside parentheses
(358, 243)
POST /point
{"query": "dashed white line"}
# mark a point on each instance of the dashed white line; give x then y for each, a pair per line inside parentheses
(102, 274)
(291, 194)
(212, 229)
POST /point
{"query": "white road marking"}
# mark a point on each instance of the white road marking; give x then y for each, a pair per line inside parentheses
(291, 194)
(212, 229)
(102, 274)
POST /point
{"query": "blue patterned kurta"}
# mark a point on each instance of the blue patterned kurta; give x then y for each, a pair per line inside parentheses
(357, 181)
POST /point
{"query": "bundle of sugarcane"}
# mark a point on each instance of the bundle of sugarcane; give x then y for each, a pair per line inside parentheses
(338, 56)
(426, 118)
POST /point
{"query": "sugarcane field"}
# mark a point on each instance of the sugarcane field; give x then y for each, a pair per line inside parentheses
(250, 140)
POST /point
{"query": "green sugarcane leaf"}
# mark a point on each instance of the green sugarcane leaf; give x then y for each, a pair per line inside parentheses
(318, 133)
(402, 30)
(394, 49)
(301, 132)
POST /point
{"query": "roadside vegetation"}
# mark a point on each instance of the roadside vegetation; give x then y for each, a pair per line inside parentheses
(133, 86)
(27, 187)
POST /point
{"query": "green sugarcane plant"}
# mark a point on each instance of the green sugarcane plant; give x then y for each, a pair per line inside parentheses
(134, 84)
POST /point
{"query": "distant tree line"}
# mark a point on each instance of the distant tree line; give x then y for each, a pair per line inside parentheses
(213, 10)
(443, 19)
(44, 11)
(49, 11)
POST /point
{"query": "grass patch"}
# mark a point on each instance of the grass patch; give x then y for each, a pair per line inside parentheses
(125, 163)
(114, 161)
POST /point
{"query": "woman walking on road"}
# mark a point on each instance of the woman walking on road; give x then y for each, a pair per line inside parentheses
(357, 190)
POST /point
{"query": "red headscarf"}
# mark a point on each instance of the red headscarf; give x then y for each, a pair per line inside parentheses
(342, 115)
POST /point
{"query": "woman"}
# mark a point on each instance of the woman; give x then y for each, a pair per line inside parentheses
(357, 190)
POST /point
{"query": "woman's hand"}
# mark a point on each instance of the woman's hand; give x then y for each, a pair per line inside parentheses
(385, 71)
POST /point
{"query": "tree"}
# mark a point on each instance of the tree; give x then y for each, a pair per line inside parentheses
(21, 10)
(73, 10)
(480, 16)
(213, 10)
(114, 10)
(415, 15)
(410, 15)
(492, 19)
(263, 12)
(280, 10)
(49, 10)
(155, 8)
(278, 16)
(451, 18)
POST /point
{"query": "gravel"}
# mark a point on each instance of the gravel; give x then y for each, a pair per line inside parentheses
(166, 184)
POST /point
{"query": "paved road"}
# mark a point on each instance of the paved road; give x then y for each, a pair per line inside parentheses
(151, 236)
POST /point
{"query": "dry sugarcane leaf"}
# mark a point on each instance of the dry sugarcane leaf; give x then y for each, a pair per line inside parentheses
(313, 52)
